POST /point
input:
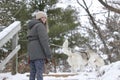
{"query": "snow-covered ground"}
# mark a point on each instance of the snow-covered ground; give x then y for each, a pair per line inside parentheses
(108, 72)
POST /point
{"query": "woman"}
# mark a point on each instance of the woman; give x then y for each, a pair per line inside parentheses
(38, 46)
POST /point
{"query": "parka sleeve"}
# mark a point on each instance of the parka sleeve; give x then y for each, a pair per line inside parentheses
(44, 39)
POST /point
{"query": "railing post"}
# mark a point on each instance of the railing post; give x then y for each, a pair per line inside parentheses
(15, 59)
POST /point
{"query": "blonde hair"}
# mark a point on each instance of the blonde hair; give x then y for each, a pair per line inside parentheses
(47, 27)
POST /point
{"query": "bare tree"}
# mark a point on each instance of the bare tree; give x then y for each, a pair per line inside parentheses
(111, 8)
(95, 26)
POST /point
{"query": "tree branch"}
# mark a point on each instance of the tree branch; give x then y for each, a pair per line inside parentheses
(109, 7)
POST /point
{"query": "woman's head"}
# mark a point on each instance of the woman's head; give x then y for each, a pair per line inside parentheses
(42, 16)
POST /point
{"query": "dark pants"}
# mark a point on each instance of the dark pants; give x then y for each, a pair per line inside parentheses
(36, 69)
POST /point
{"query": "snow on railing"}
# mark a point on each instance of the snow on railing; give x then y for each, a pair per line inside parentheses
(11, 32)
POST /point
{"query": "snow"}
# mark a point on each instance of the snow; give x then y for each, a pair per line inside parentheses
(8, 29)
(107, 72)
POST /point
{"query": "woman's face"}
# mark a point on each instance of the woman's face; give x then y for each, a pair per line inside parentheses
(44, 19)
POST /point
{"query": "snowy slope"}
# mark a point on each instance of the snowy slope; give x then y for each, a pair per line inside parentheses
(108, 72)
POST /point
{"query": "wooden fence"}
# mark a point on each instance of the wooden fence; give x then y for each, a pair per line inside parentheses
(10, 33)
